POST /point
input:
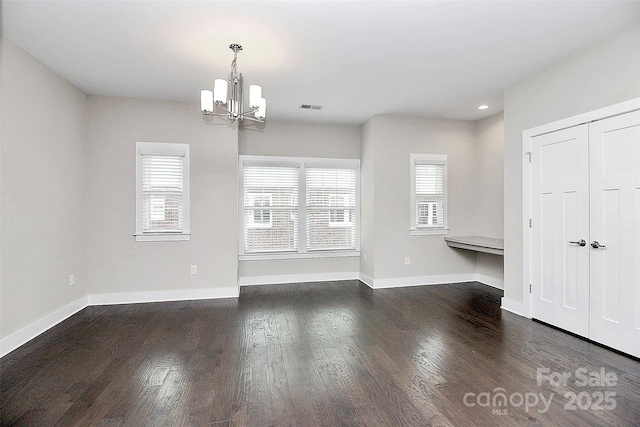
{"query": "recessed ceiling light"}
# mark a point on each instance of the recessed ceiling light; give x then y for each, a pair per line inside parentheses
(483, 107)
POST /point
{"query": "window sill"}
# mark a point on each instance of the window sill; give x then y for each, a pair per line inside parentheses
(162, 237)
(427, 232)
(297, 255)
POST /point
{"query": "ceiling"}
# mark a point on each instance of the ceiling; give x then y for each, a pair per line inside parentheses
(355, 58)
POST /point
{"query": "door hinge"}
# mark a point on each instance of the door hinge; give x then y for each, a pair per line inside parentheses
(528, 153)
(530, 223)
(529, 287)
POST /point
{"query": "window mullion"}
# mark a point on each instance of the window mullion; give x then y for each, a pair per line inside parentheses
(302, 209)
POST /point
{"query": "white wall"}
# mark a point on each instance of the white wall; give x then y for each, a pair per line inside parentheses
(43, 178)
(605, 74)
(116, 262)
(299, 140)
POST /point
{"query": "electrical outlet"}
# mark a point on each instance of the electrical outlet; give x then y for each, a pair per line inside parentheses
(72, 279)
(194, 269)
(365, 257)
(407, 260)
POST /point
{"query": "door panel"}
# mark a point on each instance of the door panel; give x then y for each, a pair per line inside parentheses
(571, 273)
(615, 212)
(560, 214)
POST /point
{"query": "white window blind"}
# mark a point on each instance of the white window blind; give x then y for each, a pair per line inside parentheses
(331, 209)
(162, 191)
(297, 207)
(162, 188)
(429, 195)
(270, 209)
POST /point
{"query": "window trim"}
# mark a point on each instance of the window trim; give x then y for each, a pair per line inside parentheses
(162, 149)
(302, 163)
(427, 159)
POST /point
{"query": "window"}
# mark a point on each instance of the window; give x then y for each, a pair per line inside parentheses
(162, 191)
(297, 208)
(270, 195)
(331, 207)
(428, 194)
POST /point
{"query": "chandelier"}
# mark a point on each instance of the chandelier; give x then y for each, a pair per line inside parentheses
(227, 95)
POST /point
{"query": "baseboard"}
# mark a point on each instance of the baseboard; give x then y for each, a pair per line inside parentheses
(26, 334)
(162, 296)
(297, 278)
(515, 307)
(366, 280)
(442, 279)
(490, 281)
(400, 282)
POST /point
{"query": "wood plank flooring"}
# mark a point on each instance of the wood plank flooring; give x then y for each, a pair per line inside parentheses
(321, 354)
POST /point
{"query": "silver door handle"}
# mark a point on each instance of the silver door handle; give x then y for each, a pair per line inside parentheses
(581, 242)
(596, 245)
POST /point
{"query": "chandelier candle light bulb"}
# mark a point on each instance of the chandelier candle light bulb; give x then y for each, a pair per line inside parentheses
(220, 88)
(227, 95)
(206, 101)
(255, 95)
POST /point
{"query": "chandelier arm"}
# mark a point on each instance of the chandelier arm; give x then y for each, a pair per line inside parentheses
(247, 113)
(253, 119)
(215, 114)
(218, 114)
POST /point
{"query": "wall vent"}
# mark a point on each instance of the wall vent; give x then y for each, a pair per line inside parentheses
(310, 107)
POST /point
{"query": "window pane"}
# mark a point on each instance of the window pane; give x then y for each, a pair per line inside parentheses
(279, 234)
(162, 193)
(328, 232)
(429, 195)
(274, 229)
(331, 213)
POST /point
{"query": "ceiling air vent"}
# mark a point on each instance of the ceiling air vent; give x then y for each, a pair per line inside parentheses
(310, 107)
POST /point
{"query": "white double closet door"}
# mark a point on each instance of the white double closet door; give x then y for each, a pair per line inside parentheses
(585, 211)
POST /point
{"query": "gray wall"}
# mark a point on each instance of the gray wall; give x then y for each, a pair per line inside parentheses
(117, 263)
(43, 179)
(489, 192)
(605, 74)
(388, 143)
(367, 199)
(489, 177)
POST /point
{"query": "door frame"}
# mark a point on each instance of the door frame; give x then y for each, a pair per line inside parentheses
(527, 135)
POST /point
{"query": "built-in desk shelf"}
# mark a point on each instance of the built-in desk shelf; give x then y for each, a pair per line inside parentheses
(477, 243)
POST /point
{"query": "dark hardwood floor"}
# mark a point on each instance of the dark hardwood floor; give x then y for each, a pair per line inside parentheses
(327, 354)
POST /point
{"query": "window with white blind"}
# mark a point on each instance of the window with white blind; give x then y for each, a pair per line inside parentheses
(428, 194)
(270, 195)
(162, 191)
(331, 208)
(298, 207)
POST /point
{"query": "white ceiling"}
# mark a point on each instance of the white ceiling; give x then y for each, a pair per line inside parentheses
(355, 58)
